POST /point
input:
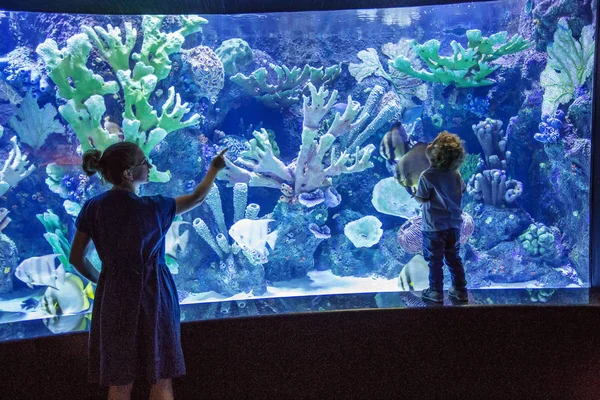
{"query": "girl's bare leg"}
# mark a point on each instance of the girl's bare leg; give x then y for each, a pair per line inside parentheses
(121, 392)
(162, 390)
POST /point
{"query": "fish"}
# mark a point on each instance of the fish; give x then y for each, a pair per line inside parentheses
(113, 128)
(40, 271)
(459, 31)
(339, 107)
(174, 240)
(67, 323)
(394, 143)
(410, 167)
(415, 275)
(411, 114)
(20, 301)
(252, 236)
(4, 221)
(69, 297)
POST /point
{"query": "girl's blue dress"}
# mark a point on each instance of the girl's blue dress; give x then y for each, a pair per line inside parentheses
(135, 331)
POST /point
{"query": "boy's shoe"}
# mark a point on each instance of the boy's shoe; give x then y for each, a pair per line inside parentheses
(435, 296)
(458, 294)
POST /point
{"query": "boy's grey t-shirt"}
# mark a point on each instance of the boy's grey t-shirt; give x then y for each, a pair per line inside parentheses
(444, 190)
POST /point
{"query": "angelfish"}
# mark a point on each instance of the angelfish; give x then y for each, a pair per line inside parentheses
(175, 240)
(41, 271)
(411, 166)
(394, 144)
(70, 297)
(252, 236)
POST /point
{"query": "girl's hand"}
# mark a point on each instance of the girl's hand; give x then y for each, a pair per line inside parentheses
(218, 162)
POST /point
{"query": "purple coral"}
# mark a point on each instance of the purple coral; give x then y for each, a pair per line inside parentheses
(76, 186)
(332, 197)
(477, 105)
(320, 232)
(410, 237)
(312, 199)
(551, 128)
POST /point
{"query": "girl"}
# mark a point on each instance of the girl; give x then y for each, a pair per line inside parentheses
(135, 330)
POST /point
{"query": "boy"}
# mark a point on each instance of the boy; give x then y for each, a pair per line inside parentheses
(440, 191)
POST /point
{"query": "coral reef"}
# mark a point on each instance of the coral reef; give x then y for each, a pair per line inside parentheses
(206, 70)
(570, 64)
(491, 184)
(389, 197)
(8, 260)
(553, 128)
(84, 90)
(468, 67)
(540, 241)
(364, 232)
(308, 172)
(34, 124)
(234, 272)
(234, 54)
(16, 167)
(410, 236)
(404, 85)
(288, 87)
(293, 256)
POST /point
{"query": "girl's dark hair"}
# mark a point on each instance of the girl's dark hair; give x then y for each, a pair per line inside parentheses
(116, 158)
(447, 152)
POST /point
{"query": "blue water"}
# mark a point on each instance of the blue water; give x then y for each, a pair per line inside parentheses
(540, 240)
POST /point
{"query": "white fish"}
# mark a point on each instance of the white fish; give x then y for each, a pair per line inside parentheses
(252, 235)
(41, 271)
(414, 275)
(69, 297)
(174, 240)
(67, 323)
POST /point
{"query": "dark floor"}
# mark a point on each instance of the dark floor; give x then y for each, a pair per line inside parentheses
(484, 352)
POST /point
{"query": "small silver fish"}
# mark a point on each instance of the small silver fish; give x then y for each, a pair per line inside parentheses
(174, 240)
(252, 236)
(41, 271)
(339, 107)
(411, 114)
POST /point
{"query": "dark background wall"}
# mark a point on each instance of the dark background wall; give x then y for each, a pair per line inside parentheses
(468, 353)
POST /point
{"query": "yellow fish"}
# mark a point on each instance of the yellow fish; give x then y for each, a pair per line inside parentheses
(69, 297)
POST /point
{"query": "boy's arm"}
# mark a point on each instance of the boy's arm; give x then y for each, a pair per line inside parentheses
(423, 191)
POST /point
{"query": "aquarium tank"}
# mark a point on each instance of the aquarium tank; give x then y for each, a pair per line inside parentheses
(319, 111)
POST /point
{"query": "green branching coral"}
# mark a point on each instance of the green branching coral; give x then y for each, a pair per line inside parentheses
(570, 64)
(56, 236)
(404, 85)
(539, 241)
(468, 67)
(290, 83)
(84, 90)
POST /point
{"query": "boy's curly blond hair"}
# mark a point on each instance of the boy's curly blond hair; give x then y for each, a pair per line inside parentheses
(447, 151)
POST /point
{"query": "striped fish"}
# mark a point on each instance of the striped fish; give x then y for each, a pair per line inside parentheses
(394, 144)
(41, 271)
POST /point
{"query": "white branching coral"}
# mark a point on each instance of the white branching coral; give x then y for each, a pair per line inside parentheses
(259, 166)
(16, 168)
